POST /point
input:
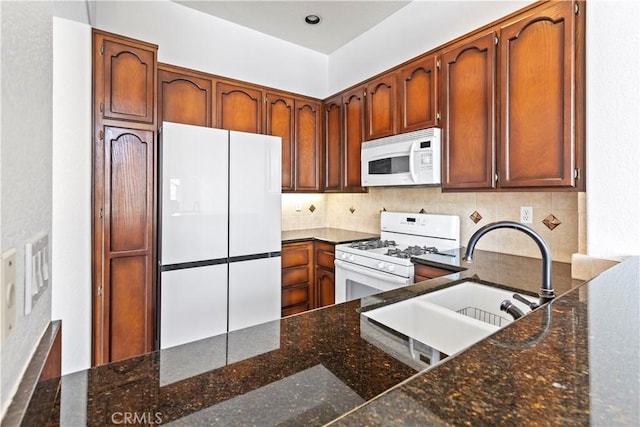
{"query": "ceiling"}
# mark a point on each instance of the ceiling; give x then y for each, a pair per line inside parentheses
(341, 22)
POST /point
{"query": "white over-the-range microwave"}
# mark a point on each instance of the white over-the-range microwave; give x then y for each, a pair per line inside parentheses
(411, 158)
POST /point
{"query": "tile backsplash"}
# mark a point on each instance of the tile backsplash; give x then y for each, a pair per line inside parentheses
(361, 212)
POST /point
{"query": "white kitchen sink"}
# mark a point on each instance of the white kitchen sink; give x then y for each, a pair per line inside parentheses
(451, 319)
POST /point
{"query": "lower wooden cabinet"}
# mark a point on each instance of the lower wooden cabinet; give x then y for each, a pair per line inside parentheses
(307, 276)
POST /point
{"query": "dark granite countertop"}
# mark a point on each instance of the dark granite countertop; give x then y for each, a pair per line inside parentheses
(572, 362)
(325, 234)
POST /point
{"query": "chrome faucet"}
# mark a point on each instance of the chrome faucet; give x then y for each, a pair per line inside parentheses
(546, 290)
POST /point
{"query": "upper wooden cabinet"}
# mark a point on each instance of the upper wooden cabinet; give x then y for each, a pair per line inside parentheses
(468, 113)
(343, 137)
(184, 96)
(308, 145)
(537, 69)
(418, 94)
(333, 140)
(239, 107)
(280, 121)
(382, 108)
(353, 106)
(128, 72)
(537, 101)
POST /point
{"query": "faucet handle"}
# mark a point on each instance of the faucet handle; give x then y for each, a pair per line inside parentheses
(531, 305)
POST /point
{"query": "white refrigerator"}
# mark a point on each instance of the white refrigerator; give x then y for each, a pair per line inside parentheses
(219, 226)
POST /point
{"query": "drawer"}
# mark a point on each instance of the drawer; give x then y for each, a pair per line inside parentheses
(296, 254)
(295, 276)
(295, 295)
(424, 272)
(295, 310)
(325, 255)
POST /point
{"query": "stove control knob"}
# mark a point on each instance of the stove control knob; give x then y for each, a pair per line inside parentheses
(343, 256)
(381, 265)
(351, 257)
(392, 267)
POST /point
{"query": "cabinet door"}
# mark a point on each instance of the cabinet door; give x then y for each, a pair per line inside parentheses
(418, 94)
(184, 97)
(468, 114)
(239, 108)
(333, 144)
(129, 80)
(354, 107)
(308, 145)
(325, 282)
(325, 287)
(125, 307)
(280, 122)
(537, 66)
(381, 107)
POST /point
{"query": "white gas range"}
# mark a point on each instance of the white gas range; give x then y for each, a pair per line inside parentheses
(369, 267)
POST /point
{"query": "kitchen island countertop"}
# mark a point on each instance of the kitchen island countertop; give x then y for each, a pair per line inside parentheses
(573, 362)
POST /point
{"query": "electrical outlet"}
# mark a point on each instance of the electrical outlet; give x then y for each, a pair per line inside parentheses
(8, 298)
(526, 214)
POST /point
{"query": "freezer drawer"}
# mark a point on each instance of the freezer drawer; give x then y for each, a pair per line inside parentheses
(193, 304)
(254, 292)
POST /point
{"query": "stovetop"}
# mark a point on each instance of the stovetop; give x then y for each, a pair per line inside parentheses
(393, 249)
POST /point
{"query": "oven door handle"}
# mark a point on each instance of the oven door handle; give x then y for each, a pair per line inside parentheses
(387, 277)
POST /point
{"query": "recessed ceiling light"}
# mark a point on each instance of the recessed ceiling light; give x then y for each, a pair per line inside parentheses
(312, 19)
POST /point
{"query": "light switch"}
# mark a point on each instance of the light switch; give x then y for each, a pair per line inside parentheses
(36, 267)
(8, 298)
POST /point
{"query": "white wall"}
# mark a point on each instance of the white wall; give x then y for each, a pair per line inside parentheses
(71, 220)
(195, 40)
(613, 134)
(26, 166)
(413, 30)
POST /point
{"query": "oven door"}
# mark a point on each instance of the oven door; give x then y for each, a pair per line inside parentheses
(354, 281)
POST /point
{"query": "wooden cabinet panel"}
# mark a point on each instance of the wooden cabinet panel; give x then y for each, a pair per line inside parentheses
(325, 277)
(298, 291)
(468, 114)
(280, 119)
(325, 287)
(238, 108)
(295, 254)
(425, 272)
(537, 69)
(344, 134)
(129, 80)
(124, 305)
(128, 175)
(295, 296)
(325, 255)
(184, 97)
(354, 108)
(418, 94)
(381, 119)
(333, 144)
(131, 318)
(308, 145)
(296, 275)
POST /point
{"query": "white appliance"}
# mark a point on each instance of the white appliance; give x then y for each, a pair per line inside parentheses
(411, 158)
(219, 245)
(374, 266)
